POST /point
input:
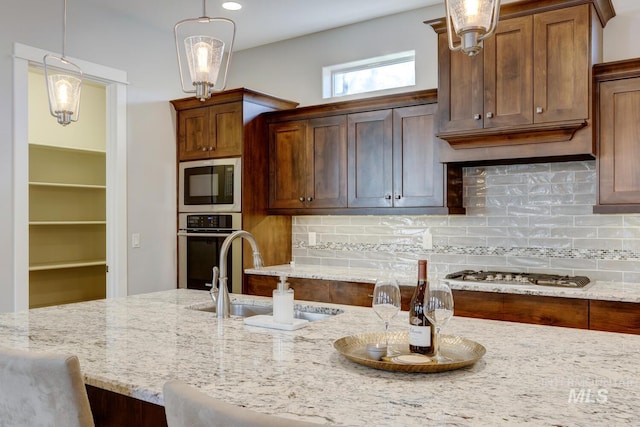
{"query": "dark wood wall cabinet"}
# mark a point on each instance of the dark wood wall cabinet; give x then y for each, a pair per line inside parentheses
(579, 313)
(229, 124)
(377, 155)
(527, 94)
(618, 136)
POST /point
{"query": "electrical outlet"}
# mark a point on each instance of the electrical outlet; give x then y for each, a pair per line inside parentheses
(427, 240)
(135, 240)
(312, 238)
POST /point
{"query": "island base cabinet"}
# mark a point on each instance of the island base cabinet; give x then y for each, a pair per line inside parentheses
(541, 310)
(112, 409)
(330, 291)
(615, 316)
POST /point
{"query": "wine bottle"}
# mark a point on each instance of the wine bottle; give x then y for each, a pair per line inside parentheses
(421, 331)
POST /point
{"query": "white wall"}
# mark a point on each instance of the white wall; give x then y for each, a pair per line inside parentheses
(292, 69)
(99, 36)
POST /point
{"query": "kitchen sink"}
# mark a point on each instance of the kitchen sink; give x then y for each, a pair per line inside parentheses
(310, 313)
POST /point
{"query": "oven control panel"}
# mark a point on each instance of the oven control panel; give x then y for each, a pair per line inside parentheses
(209, 221)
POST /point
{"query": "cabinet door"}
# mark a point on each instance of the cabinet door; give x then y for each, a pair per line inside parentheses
(460, 89)
(417, 172)
(193, 134)
(327, 162)
(225, 130)
(287, 164)
(508, 74)
(370, 137)
(561, 54)
(619, 175)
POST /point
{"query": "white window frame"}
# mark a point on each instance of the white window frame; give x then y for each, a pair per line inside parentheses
(329, 72)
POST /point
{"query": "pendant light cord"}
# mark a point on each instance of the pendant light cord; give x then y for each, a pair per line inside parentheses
(204, 8)
(64, 29)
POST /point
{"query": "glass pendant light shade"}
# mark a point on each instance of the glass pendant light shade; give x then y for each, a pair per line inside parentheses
(204, 53)
(472, 21)
(64, 86)
(204, 57)
(64, 82)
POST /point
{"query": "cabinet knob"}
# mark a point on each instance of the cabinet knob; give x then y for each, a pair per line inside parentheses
(539, 110)
(387, 196)
(398, 196)
(204, 148)
(210, 148)
(489, 115)
(301, 199)
(309, 199)
(477, 116)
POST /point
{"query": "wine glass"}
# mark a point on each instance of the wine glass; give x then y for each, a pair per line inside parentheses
(386, 303)
(438, 308)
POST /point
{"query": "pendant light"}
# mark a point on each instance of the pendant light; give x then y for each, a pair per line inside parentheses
(64, 82)
(204, 54)
(473, 21)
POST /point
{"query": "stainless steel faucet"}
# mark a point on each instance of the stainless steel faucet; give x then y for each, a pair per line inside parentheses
(220, 295)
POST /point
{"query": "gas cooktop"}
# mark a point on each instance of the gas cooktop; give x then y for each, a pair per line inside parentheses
(501, 277)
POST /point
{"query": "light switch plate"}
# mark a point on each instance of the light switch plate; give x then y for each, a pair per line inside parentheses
(135, 240)
(312, 238)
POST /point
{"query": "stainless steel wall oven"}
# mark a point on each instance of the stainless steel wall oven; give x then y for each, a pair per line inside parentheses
(200, 238)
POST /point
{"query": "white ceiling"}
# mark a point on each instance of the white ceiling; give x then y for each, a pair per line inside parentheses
(264, 21)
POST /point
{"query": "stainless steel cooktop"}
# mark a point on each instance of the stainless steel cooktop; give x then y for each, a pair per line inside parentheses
(502, 277)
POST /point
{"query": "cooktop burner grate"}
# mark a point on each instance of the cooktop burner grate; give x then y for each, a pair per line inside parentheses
(519, 278)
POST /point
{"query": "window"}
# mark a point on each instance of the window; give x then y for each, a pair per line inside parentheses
(368, 75)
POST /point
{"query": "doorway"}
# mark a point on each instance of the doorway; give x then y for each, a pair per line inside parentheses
(60, 212)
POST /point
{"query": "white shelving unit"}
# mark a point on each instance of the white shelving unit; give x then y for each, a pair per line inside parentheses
(67, 225)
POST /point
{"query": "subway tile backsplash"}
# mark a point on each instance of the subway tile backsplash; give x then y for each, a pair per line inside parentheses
(532, 218)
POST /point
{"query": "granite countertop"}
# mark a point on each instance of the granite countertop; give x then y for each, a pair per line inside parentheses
(600, 290)
(533, 374)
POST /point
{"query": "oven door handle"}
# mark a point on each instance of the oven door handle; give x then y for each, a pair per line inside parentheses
(187, 234)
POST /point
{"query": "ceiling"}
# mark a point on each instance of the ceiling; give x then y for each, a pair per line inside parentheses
(264, 21)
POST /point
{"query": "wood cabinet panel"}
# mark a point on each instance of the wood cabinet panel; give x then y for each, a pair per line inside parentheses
(287, 171)
(225, 130)
(193, 134)
(370, 139)
(327, 162)
(484, 305)
(508, 73)
(615, 316)
(418, 175)
(561, 57)
(619, 144)
(542, 310)
(460, 89)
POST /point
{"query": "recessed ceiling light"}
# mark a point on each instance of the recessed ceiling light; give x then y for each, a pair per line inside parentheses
(231, 5)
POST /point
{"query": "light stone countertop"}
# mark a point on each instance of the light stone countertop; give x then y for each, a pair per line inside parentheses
(530, 374)
(600, 290)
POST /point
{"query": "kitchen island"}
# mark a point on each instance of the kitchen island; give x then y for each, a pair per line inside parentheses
(533, 374)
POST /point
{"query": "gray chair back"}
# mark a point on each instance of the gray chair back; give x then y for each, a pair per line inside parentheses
(42, 390)
(187, 407)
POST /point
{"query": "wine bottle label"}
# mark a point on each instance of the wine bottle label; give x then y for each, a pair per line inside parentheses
(420, 336)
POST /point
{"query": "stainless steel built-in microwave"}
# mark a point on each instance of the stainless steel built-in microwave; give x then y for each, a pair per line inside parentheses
(210, 185)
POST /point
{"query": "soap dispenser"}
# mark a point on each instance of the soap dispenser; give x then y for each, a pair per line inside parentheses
(283, 302)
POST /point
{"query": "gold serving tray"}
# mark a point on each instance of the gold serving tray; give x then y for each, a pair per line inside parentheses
(460, 352)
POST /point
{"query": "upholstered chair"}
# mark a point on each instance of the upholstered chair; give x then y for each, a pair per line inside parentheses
(42, 390)
(185, 406)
